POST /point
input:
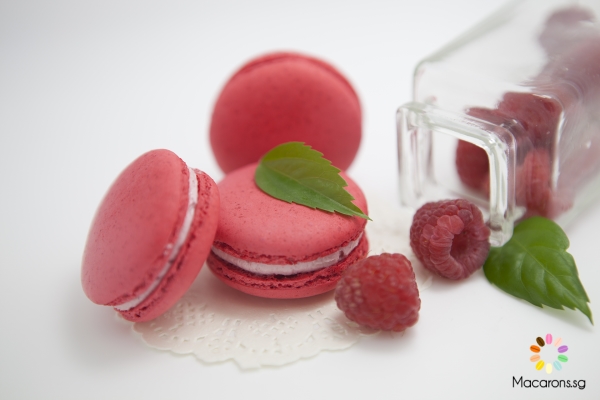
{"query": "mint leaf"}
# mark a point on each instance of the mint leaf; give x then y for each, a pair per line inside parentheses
(535, 266)
(294, 172)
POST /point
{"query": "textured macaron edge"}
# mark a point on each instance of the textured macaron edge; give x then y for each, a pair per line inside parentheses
(286, 287)
(93, 256)
(282, 260)
(290, 55)
(190, 259)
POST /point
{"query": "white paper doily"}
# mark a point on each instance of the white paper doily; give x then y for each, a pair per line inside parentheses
(217, 323)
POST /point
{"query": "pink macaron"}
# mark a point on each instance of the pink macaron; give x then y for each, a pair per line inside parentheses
(270, 248)
(283, 97)
(151, 235)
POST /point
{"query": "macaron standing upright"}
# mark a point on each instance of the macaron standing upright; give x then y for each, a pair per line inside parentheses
(150, 237)
(271, 248)
(283, 97)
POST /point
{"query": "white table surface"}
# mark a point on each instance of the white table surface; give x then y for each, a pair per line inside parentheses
(86, 87)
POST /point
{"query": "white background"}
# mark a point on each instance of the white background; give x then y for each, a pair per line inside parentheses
(86, 87)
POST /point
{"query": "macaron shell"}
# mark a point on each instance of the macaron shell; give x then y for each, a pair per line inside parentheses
(282, 287)
(134, 231)
(284, 97)
(140, 215)
(191, 257)
(260, 228)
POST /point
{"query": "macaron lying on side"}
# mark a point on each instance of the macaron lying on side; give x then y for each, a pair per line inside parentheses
(270, 248)
(150, 237)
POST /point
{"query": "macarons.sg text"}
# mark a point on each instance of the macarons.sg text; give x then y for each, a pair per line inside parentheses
(548, 383)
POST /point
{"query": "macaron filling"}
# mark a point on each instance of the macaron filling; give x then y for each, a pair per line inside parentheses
(173, 248)
(289, 269)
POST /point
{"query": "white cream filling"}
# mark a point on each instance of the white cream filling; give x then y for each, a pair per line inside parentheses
(172, 248)
(289, 269)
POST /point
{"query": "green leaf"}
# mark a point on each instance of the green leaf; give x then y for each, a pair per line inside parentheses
(535, 266)
(294, 172)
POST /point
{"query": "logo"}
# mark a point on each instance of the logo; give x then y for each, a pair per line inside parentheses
(548, 355)
(553, 352)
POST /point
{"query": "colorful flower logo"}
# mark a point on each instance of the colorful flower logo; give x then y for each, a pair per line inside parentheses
(550, 366)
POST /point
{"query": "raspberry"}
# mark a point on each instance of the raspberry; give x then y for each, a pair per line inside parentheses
(380, 292)
(539, 115)
(565, 28)
(522, 141)
(472, 165)
(533, 183)
(450, 238)
(570, 16)
(575, 75)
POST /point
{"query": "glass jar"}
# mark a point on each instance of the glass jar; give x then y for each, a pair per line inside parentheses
(508, 116)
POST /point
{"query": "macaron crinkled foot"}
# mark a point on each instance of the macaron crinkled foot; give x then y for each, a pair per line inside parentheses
(271, 248)
(150, 237)
(283, 97)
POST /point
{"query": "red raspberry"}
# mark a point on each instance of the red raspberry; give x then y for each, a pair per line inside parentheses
(539, 115)
(472, 165)
(533, 183)
(565, 28)
(575, 75)
(450, 238)
(522, 142)
(380, 292)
